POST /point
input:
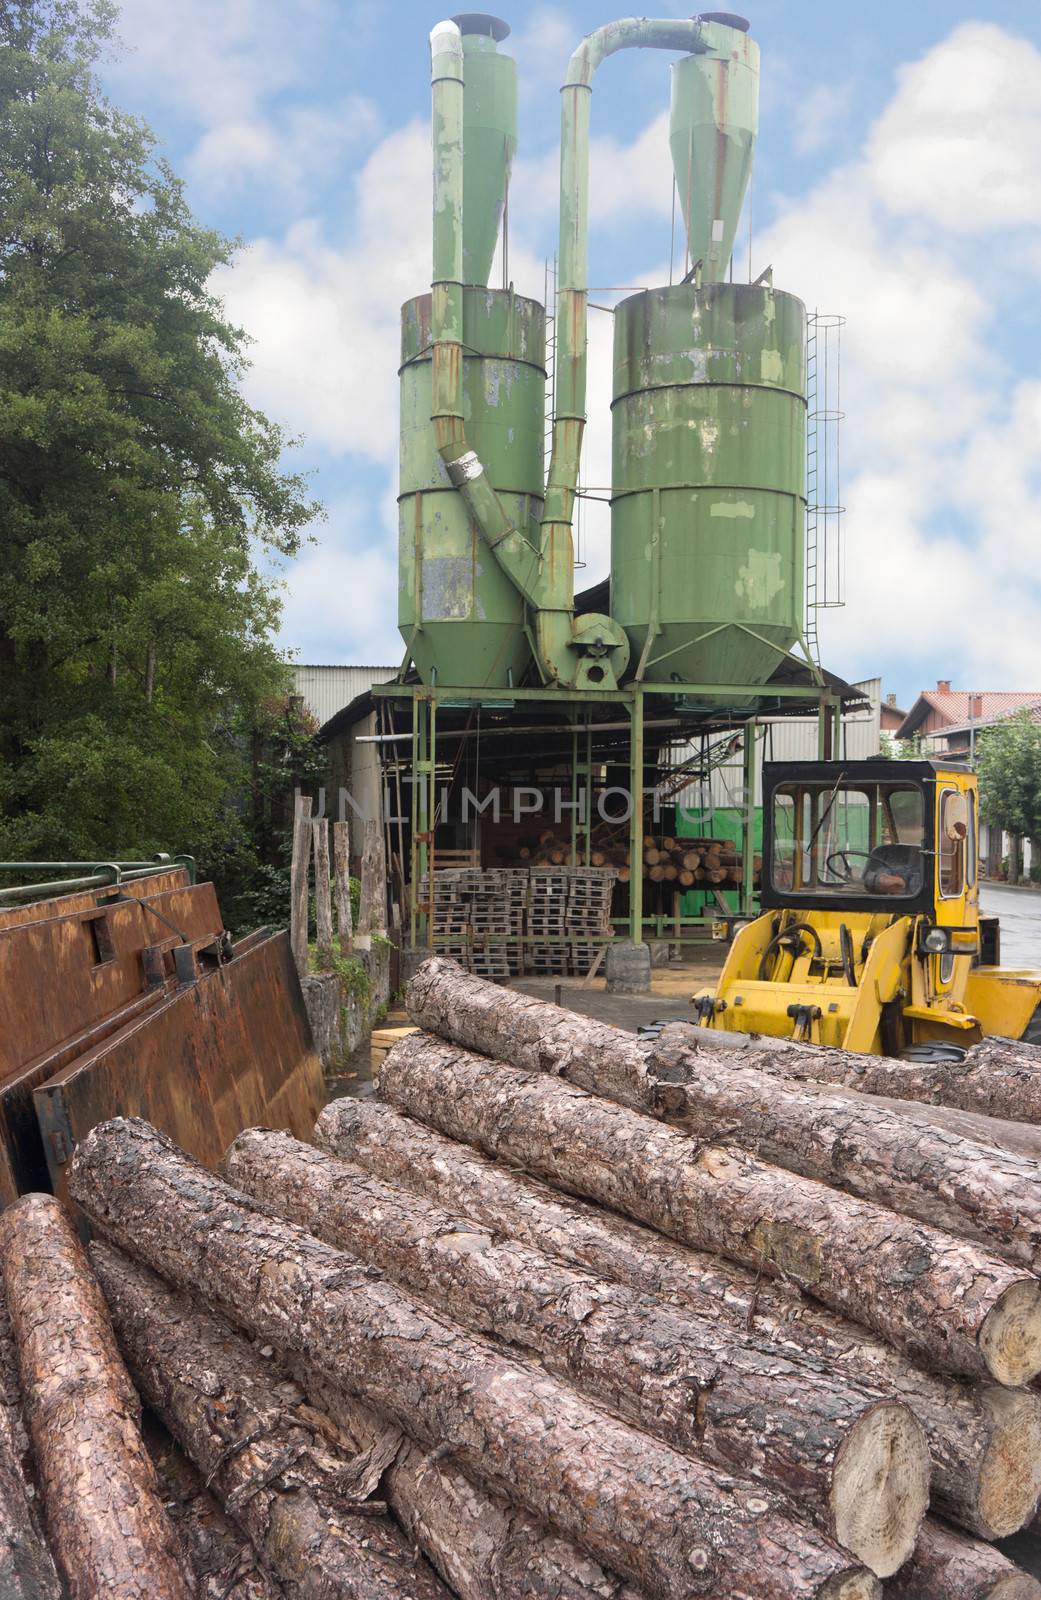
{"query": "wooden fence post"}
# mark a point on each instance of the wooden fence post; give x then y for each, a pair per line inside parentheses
(342, 869)
(372, 911)
(298, 880)
(323, 903)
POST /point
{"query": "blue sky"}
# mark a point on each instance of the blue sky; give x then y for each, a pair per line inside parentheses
(898, 183)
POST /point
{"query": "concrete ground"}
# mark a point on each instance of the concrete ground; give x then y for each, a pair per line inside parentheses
(671, 989)
(1020, 914)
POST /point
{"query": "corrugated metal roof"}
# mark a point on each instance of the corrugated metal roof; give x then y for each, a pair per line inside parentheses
(327, 689)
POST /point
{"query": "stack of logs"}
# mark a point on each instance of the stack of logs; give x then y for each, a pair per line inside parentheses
(685, 863)
(562, 1315)
(695, 863)
(605, 847)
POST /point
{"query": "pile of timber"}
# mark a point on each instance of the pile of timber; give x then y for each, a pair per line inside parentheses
(695, 863)
(560, 1316)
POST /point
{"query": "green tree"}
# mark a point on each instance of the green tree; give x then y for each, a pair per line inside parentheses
(138, 488)
(1009, 765)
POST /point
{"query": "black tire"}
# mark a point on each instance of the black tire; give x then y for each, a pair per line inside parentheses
(1032, 1032)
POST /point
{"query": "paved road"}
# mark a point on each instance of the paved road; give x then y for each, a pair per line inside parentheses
(1020, 913)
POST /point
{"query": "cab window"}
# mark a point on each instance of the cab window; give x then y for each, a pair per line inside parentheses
(842, 839)
(953, 833)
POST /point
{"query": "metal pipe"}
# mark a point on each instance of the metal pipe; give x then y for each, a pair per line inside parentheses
(514, 553)
(573, 289)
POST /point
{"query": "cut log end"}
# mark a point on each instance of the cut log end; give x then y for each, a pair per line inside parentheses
(1010, 1338)
(880, 1488)
(1010, 1472)
(852, 1586)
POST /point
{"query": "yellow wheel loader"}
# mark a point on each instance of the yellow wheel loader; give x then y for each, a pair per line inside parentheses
(870, 937)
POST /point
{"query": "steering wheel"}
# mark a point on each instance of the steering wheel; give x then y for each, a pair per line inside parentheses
(846, 874)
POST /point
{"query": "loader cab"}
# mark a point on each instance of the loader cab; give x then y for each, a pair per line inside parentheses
(886, 836)
(870, 934)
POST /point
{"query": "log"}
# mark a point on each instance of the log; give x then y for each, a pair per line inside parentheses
(943, 1301)
(223, 1563)
(858, 1462)
(968, 1188)
(1018, 1138)
(108, 1531)
(484, 1548)
(936, 1177)
(998, 1078)
(27, 1569)
(250, 1437)
(947, 1566)
(985, 1442)
(667, 1524)
(342, 873)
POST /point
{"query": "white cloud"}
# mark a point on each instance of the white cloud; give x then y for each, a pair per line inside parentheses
(325, 316)
(958, 145)
(341, 599)
(942, 443)
(818, 115)
(286, 151)
(242, 74)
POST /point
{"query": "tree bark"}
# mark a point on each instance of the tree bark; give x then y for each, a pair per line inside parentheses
(667, 1524)
(985, 1441)
(107, 1528)
(937, 1177)
(942, 1300)
(26, 1567)
(484, 1548)
(247, 1433)
(946, 1566)
(857, 1461)
(999, 1078)
(967, 1188)
(223, 1563)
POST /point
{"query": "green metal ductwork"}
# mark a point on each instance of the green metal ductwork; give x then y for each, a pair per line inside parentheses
(708, 507)
(713, 124)
(489, 138)
(718, 42)
(503, 525)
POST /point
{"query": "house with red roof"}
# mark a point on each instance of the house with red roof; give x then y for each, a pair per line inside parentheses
(946, 721)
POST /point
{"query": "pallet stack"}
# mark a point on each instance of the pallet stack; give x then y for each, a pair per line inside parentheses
(559, 1314)
(501, 921)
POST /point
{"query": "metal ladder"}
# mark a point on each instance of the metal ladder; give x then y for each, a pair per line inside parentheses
(825, 576)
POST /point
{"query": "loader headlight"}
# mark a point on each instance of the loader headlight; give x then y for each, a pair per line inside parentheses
(937, 941)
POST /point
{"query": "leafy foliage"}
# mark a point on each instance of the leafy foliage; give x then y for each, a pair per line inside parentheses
(137, 486)
(1010, 775)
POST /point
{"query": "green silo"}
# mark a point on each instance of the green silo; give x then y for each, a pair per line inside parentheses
(708, 514)
(471, 619)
